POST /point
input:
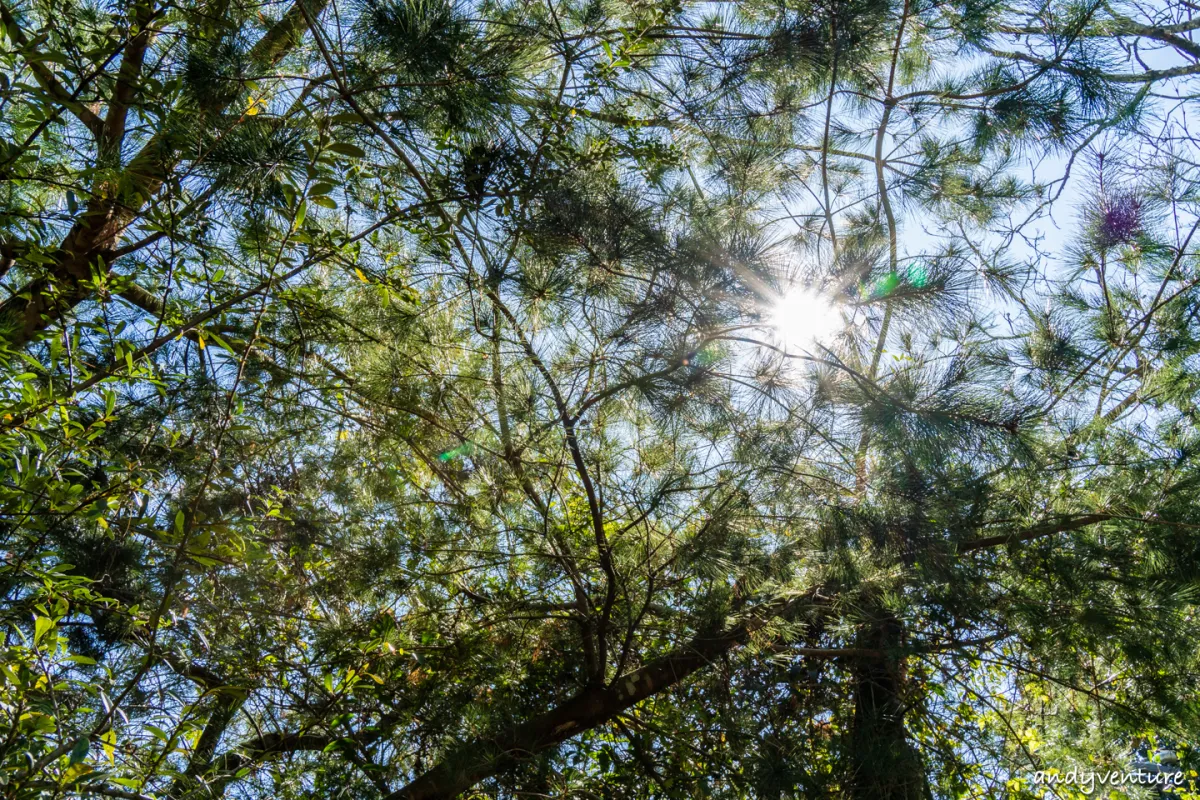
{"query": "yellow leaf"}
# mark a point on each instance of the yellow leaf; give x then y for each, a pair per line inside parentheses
(75, 771)
(109, 740)
(200, 339)
(360, 275)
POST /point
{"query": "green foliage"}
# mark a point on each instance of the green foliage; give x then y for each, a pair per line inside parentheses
(401, 398)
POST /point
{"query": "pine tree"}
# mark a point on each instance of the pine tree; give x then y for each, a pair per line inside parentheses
(402, 397)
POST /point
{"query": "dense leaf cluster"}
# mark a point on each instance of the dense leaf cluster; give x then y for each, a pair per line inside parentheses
(410, 399)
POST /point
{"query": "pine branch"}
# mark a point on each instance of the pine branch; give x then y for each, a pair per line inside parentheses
(590, 708)
(1043, 530)
(193, 323)
(92, 240)
(46, 79)
(1149, 76)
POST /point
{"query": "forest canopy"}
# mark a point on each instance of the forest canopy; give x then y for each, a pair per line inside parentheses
(414, 399)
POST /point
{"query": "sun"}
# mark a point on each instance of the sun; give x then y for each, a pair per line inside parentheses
(802, 317)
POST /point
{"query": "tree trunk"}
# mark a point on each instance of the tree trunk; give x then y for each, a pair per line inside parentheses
(884, 764)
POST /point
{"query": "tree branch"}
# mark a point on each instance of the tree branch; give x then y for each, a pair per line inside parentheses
(1061, 525)
(1149, 76)
(591, 707)
(46, 79)
(113, 132)
(92, 239)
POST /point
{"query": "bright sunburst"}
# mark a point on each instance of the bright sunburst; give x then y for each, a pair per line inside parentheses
(802, 317)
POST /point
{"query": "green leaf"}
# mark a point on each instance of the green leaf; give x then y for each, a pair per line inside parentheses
(222, 343)
(347, 149)
(80, 751)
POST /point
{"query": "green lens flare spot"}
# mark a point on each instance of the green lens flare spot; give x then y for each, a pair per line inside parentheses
(886, 285)
(463, 449)
(703, 357)
(917, 276)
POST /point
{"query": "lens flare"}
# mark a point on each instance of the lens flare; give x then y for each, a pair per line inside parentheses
(803, 317)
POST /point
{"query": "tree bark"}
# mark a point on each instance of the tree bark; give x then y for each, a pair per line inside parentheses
(884, 763)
